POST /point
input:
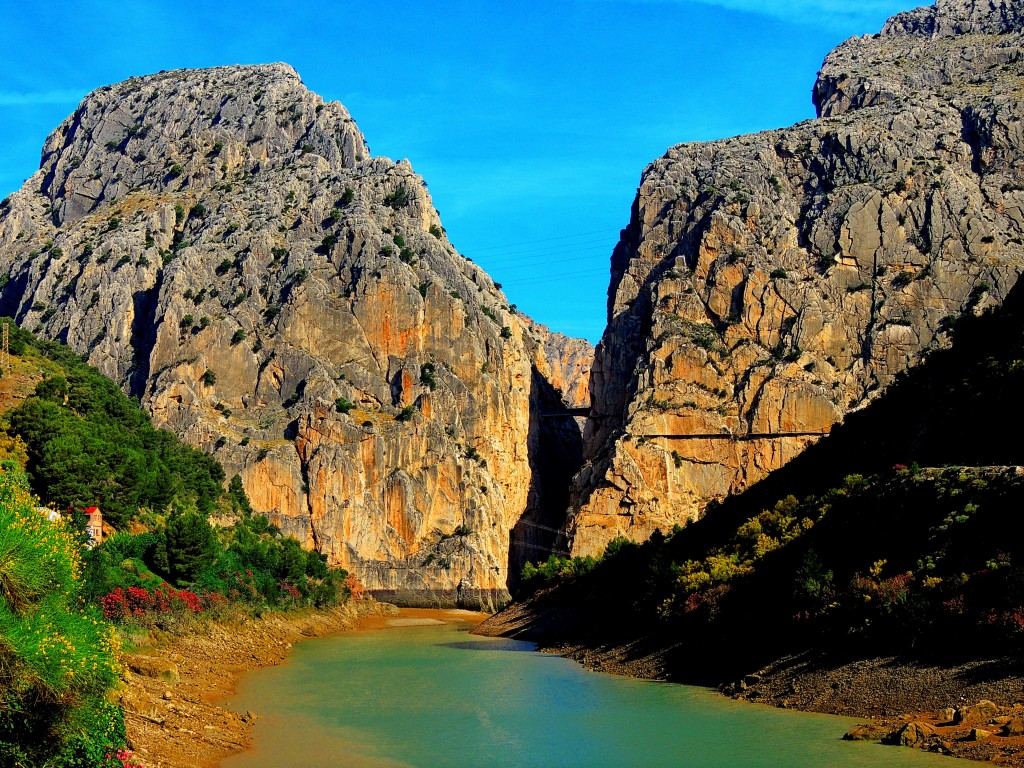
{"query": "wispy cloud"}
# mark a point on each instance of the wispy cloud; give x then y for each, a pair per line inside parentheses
(829, 14)
(36, 98)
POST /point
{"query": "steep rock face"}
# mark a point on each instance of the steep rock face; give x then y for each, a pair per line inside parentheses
(769, 284)
(564, 362)
(222, 244)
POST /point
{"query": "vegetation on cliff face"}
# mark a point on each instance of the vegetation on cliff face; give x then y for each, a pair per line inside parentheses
(86, 443)
(896, 533)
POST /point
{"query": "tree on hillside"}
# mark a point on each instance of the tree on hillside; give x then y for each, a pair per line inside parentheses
(293, 560)
(191, 546)
(88, 444)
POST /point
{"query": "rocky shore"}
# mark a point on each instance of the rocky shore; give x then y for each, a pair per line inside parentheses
(176, 685)
(972, 710)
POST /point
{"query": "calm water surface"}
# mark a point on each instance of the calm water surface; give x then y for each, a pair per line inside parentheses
(438, 697)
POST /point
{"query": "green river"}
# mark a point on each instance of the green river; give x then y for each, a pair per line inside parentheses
(434, 696)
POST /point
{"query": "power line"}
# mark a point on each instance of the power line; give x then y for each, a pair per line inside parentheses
(535, 264)
(559, 276)
(540, 258)
(545, 240)
(548, 249)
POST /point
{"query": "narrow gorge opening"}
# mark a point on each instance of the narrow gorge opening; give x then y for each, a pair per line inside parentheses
(555, 455)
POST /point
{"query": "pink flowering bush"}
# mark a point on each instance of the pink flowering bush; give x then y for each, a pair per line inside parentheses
(122, 758)
(136, 602)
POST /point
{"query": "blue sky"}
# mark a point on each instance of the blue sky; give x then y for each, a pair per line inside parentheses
(531, 121)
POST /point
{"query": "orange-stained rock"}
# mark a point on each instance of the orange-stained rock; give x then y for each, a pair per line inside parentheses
(244, 266)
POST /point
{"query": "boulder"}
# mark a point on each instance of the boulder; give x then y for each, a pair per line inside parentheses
(867, 732)
(1014, 727)
(913, 734)
(974, 713)
(150, 666)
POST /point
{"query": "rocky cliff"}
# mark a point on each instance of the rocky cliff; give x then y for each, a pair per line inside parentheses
(222, 244)
(769, 284)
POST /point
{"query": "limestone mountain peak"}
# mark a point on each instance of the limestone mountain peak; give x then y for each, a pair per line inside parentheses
(221, 243)
(956, 51)
(180, 129)
(949, 18)
(769, 284)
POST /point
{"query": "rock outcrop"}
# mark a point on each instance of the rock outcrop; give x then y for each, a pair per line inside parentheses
(769, 284)
(222, 244)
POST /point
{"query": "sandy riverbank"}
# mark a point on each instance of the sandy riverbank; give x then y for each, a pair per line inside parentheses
(175, 690)
(174, 699)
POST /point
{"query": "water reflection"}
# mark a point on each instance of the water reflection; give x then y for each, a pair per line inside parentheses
(413, 696)
(492, 644)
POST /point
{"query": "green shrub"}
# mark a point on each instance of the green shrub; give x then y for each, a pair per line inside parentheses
(397, 199)
(57, 660)
(88, 444)
(428, 375)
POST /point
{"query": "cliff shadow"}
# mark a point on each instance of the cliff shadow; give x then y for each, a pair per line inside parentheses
(143, 339)
(555, 454)
(960, 406)
(12, 296)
